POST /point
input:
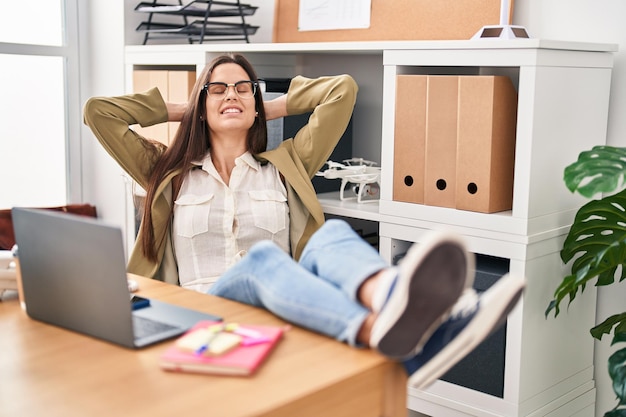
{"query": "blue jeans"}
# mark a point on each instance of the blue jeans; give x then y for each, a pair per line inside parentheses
(319, 292)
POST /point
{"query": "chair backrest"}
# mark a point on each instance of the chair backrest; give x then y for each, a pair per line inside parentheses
(7, 236)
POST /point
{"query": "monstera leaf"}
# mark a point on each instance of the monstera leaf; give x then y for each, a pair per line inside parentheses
(597, 243)
(596, 247)
(617, 371)
(615, 324)
(600, 170)
(597, 238)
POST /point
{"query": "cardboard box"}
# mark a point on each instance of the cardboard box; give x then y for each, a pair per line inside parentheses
(487, 119)
(409, 138)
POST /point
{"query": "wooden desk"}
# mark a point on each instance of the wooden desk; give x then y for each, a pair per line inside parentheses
(49, 371)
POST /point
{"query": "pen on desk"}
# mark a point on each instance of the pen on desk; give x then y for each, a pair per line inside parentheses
(213, 331)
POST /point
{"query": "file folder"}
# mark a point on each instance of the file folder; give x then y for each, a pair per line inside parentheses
(409, 138)
(486, 143)
(441, 141)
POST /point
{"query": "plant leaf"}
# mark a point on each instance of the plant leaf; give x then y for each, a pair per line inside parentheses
(596, 246)
(617, 371)
(616, 413)
(618, 321)
(599, 170)
(596, 243)
(619, 334)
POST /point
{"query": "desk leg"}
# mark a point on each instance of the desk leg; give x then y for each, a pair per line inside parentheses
(395, 391)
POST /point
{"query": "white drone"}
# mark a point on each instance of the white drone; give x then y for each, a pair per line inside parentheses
(361, 173)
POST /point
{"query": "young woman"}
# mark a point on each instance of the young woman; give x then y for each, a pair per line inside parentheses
(223, 215)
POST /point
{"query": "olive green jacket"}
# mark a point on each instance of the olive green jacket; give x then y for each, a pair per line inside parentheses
(331, 99)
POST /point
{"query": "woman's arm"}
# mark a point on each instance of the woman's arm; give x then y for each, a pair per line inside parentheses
(276, 108)
(110, 119)
(332, 100)
(175, 111)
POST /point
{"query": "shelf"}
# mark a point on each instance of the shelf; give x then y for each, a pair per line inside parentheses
(495, 226)
(374, 47)
(332, 204)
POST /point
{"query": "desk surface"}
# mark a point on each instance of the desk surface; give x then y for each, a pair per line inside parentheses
(46, 370)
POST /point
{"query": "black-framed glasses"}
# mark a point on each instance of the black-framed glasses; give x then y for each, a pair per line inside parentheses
(219, 90)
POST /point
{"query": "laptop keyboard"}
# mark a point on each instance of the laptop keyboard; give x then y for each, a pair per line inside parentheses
(147, 327)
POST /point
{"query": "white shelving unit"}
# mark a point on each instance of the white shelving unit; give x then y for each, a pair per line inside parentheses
(563, 92)
(563, 96)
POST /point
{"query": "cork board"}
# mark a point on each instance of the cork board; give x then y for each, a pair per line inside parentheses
(397, 20)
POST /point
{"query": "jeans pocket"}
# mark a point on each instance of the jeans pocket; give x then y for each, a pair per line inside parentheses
(192, 214)
(269, 209)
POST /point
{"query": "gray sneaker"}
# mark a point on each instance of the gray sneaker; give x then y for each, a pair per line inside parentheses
(472, 320)
(430, 279)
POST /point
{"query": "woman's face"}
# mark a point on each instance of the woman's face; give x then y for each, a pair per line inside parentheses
(230, 113)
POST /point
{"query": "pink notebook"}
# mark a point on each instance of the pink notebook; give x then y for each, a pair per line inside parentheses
(243, 359)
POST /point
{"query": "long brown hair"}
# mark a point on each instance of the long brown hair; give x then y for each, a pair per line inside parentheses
(192, 141)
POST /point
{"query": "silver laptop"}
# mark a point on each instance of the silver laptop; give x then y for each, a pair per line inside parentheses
(74, 276)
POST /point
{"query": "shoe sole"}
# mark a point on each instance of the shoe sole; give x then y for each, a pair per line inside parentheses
(503, 297)
(433, 288)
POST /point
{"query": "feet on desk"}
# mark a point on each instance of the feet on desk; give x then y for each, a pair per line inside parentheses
(473, 318)
(429, 317)
(414, 303)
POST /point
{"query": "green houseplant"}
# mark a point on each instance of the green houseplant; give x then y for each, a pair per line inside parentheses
(596, 246)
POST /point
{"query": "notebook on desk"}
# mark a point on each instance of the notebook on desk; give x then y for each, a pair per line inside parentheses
(73, 272)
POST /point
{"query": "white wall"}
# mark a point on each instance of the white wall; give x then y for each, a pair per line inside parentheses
(586, 21)
(106, 32)
(102, 72)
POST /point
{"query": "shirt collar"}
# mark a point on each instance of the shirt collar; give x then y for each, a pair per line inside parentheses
(249, 159)
(246, 158)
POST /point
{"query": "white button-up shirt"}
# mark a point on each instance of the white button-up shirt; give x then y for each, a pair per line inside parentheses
(216, 223)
